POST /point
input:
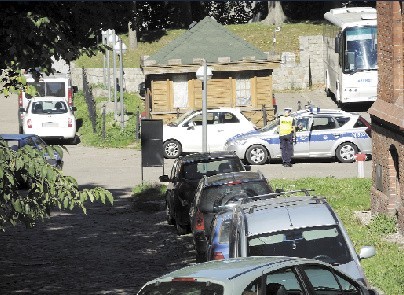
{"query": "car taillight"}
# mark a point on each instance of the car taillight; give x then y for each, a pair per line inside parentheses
(218, 256)
(200, 221)
(69, 122)
(70, 96)
(29, 123)
(20, 99)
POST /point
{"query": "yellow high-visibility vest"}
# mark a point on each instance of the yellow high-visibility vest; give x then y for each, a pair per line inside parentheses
(285, 125)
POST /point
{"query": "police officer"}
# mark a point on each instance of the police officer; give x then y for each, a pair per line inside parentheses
(286, 133)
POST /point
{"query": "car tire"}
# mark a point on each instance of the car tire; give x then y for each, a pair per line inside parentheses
(172, 149)
(181, 230)
(256, 155)
(346, 152)
(200, 257)
(169, 218)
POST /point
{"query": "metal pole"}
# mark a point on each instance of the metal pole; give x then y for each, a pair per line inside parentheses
(105, 61)
(109, 73)
(114, 78)
(204, 107)
(120, 81)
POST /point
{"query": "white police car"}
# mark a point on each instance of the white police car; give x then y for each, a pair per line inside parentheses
(319, 133)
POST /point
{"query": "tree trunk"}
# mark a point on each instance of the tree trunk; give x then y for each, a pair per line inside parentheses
(132, 34)
(132, 31)
(275, 16)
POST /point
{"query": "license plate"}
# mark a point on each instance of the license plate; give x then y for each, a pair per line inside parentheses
(50, 124)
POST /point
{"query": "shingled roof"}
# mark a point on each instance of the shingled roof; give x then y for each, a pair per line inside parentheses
(209, 40)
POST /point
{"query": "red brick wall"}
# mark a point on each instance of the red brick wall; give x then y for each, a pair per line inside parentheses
(387, 113)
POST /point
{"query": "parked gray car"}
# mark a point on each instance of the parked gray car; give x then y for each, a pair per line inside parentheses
(305, 227)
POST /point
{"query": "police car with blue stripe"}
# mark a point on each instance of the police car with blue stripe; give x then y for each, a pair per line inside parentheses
(319, 133)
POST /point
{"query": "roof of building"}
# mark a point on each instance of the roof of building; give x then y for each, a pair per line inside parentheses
(209, 40)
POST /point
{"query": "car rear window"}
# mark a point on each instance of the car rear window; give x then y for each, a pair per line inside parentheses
(342, 120)
(197, 170)
(218, 195)
(49, 107)
(183, 287)
(56, 89)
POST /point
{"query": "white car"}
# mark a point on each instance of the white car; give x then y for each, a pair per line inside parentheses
(319, 133)
(50, 118)
(57, 85)
(185, 134)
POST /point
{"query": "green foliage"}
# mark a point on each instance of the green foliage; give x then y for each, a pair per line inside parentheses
(47, 187)
(386, 269)
(115, 136)
(383, 224)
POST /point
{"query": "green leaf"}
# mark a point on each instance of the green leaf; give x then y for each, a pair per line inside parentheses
(17, 206)
(66, 203)
(59, 150)
(91, 196)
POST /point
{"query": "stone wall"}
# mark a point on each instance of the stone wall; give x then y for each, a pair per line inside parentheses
(290, 75)
(309, 71)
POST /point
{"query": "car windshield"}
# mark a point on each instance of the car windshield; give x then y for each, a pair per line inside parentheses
(180, 119)
(219, 195)
(183, 288)
(325, 243)
(197, 170)
(362, 43)
(271, 125)
(49, 107)
(42, 89)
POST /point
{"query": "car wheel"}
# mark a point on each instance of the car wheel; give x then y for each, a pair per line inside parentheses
(169, 218)
(346, 152)
(172, 149)
(257, 155)
(200, 257)
(181, 230)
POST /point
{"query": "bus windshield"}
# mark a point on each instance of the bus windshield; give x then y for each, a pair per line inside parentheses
(360, 48)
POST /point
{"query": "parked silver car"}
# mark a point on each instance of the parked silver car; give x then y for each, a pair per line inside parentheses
(256, 275)
(319, 133)
(305, 227)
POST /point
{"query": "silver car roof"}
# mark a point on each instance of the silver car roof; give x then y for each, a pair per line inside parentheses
(287, 213)
(238, 269)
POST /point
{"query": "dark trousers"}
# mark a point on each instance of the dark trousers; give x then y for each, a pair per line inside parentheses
(286, 148)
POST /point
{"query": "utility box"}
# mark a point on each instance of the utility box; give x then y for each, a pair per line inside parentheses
(152, 143)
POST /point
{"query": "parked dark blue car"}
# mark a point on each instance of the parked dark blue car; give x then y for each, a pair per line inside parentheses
(17, 141)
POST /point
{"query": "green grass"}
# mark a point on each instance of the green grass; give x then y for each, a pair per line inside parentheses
(385, 270)
(115, 136)
(258, 34)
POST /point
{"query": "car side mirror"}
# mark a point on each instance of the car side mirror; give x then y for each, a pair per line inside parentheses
(75, 89)
(22, 110)
(73, 109)
(164, 178)
(279, 190)
(247, 167)
(191, 125)
(367, 252)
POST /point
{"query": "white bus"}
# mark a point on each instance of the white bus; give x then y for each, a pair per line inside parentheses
(350, 54)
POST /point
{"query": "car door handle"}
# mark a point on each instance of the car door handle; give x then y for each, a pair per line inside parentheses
(337, 135)
(221, 130)
(302, 137)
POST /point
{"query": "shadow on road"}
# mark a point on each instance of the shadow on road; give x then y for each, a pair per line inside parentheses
(113, 249)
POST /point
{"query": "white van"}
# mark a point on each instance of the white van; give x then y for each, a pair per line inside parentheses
(57, 85)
